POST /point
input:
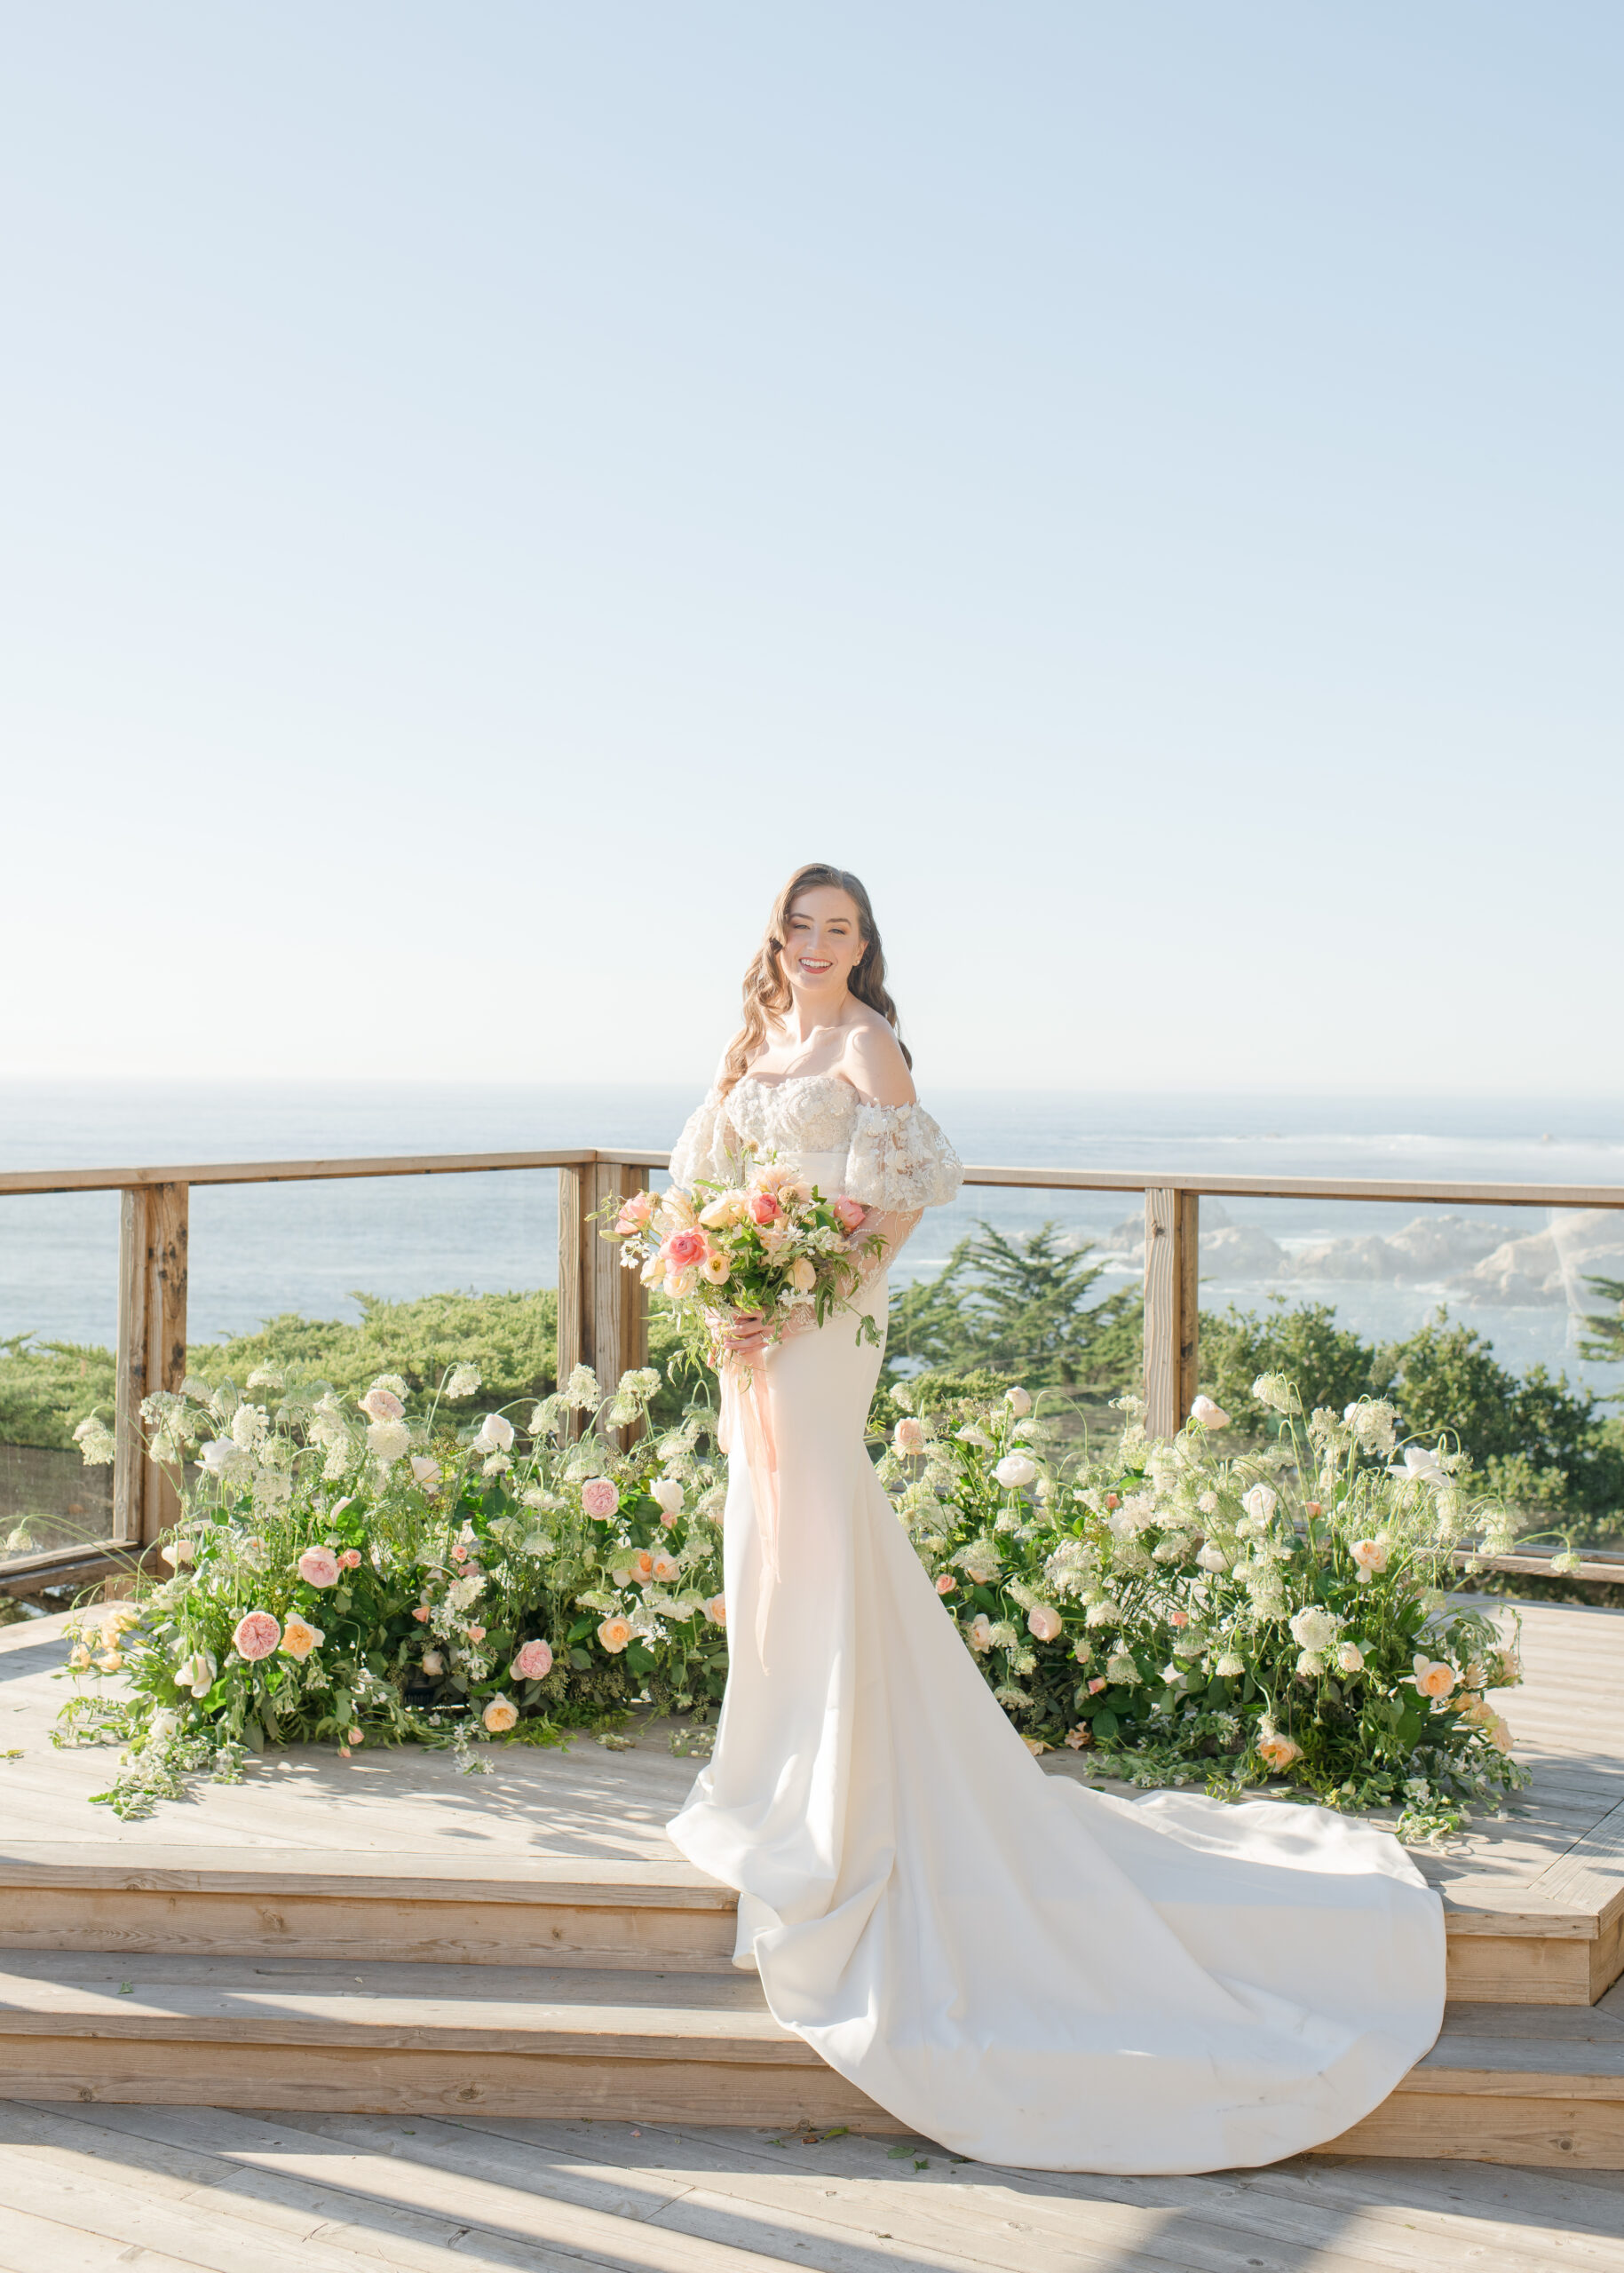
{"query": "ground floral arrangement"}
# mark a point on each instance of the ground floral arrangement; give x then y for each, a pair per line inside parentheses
(344, 1573)
(1186, 1617)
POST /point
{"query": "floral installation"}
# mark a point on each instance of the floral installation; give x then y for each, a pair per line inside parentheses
(348, 1574)
(1182, 1615)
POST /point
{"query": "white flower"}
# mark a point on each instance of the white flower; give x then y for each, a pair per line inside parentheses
(667, 1496)
(496, 1434)
(95, 1442)
(219, 1455)
(1019, 1402)
(1209, 1415)
(581, 1392)
(249, 1425)
(1121, 1668)
(1313, 1629)
(1375, 1423)
(1209, 1503)
(463, 1381)
(1229, 1667)
(1310, 1662)
(1351, 1657)
(265, 1377)
(1261, 1502)
(1212, 1558)
(1015, 1472)
(388, 1439)
(1422, 1465)
(970, 1435)
(1275, 1391)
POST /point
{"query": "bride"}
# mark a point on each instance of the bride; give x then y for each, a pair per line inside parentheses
(1027, 1970)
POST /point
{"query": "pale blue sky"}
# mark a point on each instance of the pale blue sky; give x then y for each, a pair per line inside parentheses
(489, 487)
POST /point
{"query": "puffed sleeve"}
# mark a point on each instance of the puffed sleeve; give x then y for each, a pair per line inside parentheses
(706, 1140)
(899, 1160)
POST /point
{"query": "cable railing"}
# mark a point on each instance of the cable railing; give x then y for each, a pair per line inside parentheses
(602, 1309)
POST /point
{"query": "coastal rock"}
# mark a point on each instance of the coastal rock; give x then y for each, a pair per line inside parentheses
(1367, 1258)
(1243, 1251)
(1549, 1266)
(1434, 1244)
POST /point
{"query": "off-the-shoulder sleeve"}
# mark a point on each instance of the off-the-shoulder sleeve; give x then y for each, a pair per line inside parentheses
(703, 1149)
(900, 1159)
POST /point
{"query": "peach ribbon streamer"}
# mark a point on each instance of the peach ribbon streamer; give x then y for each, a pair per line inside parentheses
(747, 1416)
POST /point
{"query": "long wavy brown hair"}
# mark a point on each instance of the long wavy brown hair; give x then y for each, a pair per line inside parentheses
(766, 990)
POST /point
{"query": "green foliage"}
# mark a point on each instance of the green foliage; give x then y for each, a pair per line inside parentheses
(1023, 1309)
(1604, 1344)
(1537, 1439)
(46, 1387)
(512, 1338)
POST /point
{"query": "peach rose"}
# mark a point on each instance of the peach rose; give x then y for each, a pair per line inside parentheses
(350, 1560)
(1081, 1734)
(1209, 1415)
(421, 1613)
(946, 1585)
(1275, 1749)
(1045, 1623)
(500, 1715)
(614, 1633)
(909, 1435)
(318, 1566)
(667, 1569)
(849, 1214)
(641, 1566)
(716, 1610)
(600, 1497)
(1370, 1558)
(381, 1405)
(804, 1274)
(300, 1637)
(978, 1633)
(256, 1634)
(1433, 1677)
(634, 1214)
(425, 1472)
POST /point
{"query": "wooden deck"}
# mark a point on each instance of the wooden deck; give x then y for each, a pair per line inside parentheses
(301, 1989)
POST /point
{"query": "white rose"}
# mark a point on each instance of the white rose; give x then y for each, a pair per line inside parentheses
(1015, 1472)
(1260, 1503)
(666, 1494)
(1019, 1402)
(1209, 1415)
(496, 1434)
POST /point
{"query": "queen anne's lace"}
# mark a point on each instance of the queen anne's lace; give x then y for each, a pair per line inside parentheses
(897, 1158)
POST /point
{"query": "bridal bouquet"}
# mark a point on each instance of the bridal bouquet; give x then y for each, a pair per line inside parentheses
(760, 1250)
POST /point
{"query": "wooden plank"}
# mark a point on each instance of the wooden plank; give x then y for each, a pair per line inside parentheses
(35, 2245)
(1035, 1179)
(574, 1205)
(129, 1459)
(320, 1171)
(1187, 1275)
(1488, 1971)
(614, 1882)
(168, 1213)
(1549, 2134)
(399, 2081)
(1162, 1291)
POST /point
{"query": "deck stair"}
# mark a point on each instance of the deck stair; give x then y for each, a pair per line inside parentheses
(445, 1962)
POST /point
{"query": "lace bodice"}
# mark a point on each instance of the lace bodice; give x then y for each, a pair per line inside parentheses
(896, 1157)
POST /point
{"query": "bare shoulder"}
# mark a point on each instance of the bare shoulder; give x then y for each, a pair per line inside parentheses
(873, 1060)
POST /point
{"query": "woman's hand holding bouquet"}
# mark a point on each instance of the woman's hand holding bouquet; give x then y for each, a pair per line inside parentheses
(745, 1264)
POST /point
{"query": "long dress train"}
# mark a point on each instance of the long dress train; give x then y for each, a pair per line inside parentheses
(1026, 1971)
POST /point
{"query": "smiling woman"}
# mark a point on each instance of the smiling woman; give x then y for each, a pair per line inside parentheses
(821, 953)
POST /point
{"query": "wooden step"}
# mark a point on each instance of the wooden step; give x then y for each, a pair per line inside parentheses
(411, 2038)
(1509, 2084)
(1549, 1948)
(502, 1911)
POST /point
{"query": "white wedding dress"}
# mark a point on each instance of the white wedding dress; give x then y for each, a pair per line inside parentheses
(1026, 1971)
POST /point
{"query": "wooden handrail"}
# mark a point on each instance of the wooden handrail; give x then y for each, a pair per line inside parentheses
(602, 1311)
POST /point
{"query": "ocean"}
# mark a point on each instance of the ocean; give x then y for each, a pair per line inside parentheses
(1518, 1275)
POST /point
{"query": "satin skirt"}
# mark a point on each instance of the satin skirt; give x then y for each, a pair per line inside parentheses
(1025, 1970)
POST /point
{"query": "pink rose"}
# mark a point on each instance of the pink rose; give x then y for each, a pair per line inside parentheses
(614, 1633)
(849, 1214)
(634, 1214)
(318, 1566)
(909, 1435)
(1045, 1623)
(945, 1585)
(476, 1634)
(350, 1560)
(533, 1663)
(978, 1633)
(764, 1208)
(1096, 1685)
(257, 1635)
(1180, 1617)
(381, 1405)
(599, 1496)
(684, 1249)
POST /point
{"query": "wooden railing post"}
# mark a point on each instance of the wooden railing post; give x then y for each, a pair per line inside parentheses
(153, 1241)
(1172, 1317)
(603, 1308)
